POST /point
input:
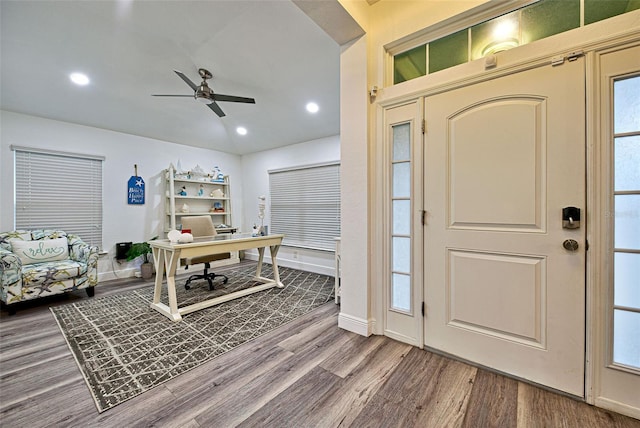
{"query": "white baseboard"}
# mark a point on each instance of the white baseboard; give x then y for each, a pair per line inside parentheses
(124, 273)
(296, 264)
(355, 325)
(623, 409)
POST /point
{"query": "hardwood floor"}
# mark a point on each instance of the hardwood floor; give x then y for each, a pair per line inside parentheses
(308, 373)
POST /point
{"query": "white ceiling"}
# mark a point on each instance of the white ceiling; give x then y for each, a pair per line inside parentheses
(269, 50)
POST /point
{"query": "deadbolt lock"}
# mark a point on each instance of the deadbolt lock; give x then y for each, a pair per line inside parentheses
(571, 218)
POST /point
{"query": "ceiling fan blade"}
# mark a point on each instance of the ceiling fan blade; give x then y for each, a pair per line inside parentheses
(156, 95)
(186, 80)
(220, 97)
(216, 109)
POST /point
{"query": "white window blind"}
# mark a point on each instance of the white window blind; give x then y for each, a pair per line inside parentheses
(59, 191)
(305, 205)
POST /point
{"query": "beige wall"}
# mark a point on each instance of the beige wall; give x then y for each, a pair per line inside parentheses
(390, 20)
(362, 67)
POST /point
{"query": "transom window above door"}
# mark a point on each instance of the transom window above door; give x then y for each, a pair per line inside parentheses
(510, 29)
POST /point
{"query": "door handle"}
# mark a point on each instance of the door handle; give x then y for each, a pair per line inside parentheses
(570, 245)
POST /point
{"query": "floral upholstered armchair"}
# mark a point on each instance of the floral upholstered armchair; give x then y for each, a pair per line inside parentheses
(40, 263)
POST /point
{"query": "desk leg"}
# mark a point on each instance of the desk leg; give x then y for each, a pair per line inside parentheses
(158, 261)
(260, 259)
(276, 275)
(171, 266)
(166, 261)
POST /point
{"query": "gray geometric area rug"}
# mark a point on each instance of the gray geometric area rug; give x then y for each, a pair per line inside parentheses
(124, 348)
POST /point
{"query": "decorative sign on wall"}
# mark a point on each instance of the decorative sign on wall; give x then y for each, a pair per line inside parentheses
(135, 189)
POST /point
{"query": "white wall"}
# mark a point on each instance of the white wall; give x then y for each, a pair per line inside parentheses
(355, 249)
(255, 182)
(121, 222)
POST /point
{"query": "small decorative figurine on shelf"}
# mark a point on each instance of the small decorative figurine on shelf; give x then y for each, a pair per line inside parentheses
(179, 173)
(183, 191)
(217, 194)
(217, 175)
(201, 191)
(198, 173)
(185, 208)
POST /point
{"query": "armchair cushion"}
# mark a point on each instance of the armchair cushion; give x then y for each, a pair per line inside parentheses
(41, 273)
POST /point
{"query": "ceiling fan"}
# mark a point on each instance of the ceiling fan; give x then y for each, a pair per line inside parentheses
(206, 95)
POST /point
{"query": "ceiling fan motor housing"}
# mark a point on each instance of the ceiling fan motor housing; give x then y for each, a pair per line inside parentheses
(204, 93)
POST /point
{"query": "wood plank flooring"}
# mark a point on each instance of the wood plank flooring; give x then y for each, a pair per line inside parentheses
(308, 373)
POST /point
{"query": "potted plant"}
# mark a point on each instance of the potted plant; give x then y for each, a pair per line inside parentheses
(142, 249)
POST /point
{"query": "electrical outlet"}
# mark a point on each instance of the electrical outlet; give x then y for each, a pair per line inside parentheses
(295, 254)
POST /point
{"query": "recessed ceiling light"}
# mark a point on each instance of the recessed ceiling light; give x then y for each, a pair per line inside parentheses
(79, 79)
(312, 107)
(241, 130)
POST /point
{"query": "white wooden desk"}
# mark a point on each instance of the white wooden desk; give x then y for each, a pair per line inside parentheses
(167, 255)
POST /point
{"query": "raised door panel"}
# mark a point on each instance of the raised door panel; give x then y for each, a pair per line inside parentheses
(496, 162)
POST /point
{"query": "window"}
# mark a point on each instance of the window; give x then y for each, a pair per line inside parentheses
(401, 218)
(55, 190)
(305, 205)
(532, 22)
(626, 222)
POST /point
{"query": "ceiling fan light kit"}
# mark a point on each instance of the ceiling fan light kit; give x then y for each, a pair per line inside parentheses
(205, 94)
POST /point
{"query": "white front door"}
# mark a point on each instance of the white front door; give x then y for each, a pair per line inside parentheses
(504, 281)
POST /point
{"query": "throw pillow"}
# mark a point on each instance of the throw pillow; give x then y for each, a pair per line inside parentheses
(42, 250)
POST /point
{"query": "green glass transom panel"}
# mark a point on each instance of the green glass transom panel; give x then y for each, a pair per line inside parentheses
(547, 18)
(410, 64)
(449, 51)
(597, 10)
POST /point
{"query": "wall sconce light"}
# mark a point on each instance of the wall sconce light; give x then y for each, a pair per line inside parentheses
(504, 36)
(499, 46)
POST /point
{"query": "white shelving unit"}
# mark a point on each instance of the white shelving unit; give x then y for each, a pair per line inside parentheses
(218, 207)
